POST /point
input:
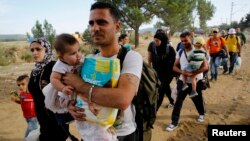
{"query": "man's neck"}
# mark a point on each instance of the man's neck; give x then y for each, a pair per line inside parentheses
(109, 51)
(214, 37)
(189, 49)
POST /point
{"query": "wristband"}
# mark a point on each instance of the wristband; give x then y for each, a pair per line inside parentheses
(181, 72)
(90, 93)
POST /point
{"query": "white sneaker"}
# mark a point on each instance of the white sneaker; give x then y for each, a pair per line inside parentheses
(171, 127)
(193, 94)
(170, 105)
(185, 86)
(201, 118)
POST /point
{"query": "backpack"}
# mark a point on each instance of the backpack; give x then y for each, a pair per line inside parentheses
(235, 37)
(145, 101)
(167, 49)
(156, 57)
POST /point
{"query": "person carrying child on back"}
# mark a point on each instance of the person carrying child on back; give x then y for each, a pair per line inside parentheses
(195, 60)
(27, 103)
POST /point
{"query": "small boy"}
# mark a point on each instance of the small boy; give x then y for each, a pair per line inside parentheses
(27, 104)
(195, 60)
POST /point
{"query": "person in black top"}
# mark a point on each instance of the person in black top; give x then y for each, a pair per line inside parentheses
(161, 56)
(40, 77)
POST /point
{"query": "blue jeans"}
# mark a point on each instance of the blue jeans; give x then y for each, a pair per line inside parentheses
(32, 125)
(233, 58)
(214, 64)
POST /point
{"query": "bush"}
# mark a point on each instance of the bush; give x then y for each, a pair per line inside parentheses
(87, 49)
(4, 61)
(27, 57)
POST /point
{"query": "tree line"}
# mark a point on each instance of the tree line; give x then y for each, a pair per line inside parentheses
(175, 14)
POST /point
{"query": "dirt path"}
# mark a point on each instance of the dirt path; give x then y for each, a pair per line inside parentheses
(227, 102)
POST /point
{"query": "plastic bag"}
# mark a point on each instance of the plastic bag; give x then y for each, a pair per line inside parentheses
(52, 99)
(174, 93)
(238, 63)
(33, 135)
(94, 132)
(103, 72)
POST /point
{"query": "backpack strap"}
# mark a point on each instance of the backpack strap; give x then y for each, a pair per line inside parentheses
(235, 37)
(167, 49)
(121, 55)
(180, 52)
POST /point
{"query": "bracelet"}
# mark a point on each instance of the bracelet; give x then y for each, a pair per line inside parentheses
(90, 93)
(181, 72)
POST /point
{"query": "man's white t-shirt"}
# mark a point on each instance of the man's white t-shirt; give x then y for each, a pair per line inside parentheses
(184, 63)
(132, 64)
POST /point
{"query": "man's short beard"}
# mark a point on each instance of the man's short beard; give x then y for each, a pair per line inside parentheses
(188, 46)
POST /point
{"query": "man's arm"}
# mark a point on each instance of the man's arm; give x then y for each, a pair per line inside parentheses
(204, 67)
(238, 45)
(243, 38)
(119, 97)
(176, 66)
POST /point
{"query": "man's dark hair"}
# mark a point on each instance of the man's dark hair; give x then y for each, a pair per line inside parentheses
(122, 36)
(62, 41)
(103, 5)
(22, 77)
(184, 34)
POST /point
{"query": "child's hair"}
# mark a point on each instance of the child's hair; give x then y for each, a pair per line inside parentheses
(62, 41)
(199, 42)
(22, 77)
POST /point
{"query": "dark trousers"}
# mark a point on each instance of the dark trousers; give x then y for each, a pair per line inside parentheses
(165, 89)
(181, 95)
(131, 137)
(233, 58)
(63, 121)
(49, 128)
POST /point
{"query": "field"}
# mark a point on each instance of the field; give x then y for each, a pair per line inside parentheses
(227, 102)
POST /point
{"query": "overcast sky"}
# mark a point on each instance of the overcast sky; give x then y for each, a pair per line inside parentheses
(69, 16)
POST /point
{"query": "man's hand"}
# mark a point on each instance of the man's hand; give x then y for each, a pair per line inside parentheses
(72, 80)
(187, 74)
(76, 112)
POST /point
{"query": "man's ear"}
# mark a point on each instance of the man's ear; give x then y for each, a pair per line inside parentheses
(118, 26)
